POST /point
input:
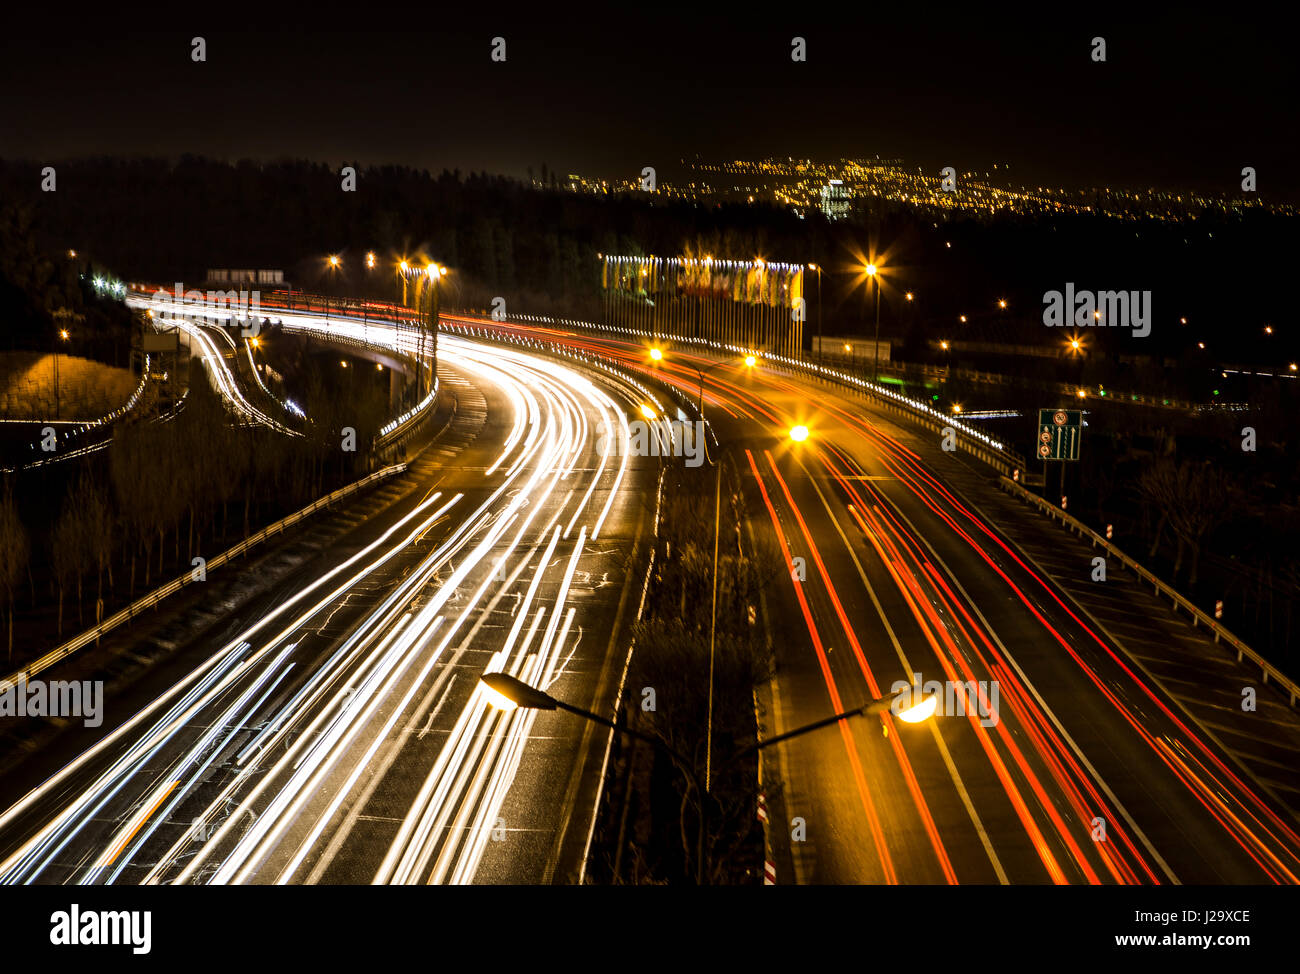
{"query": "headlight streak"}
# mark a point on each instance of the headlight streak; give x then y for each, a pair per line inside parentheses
(218, 663)
(552, 425)
(201, 747)
(215, 363)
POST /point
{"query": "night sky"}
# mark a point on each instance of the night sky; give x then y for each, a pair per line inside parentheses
(1182, 104)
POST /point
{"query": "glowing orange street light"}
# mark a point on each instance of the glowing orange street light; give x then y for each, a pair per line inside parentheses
(656, 355)
(920, 711)
(799, 433)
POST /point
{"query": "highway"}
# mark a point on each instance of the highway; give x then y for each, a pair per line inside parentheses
(341, 735)
(1081, 770)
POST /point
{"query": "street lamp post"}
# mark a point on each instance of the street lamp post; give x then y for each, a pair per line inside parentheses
(875, 366)
(63, 336)
(750, 361)
(507, 692)
(333, 266)
(402, 267)
(435, 273)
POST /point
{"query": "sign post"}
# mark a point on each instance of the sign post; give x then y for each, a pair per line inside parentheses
(1059, 434)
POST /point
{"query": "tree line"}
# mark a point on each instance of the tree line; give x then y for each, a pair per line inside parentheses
(168, 491)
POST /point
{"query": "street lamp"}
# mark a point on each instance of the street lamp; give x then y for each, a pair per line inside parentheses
(508, 693)
(656, 354)
(799, 433)
(871, 270)
(402, 268)
(333, 262)
(435, 273)
(63, 336)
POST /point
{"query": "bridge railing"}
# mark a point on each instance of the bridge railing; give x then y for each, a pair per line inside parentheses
(271, 306)
(175, 585)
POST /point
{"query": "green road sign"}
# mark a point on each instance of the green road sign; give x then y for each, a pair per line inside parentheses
(1059, 432)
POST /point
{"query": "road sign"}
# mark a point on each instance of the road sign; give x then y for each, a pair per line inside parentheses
(1059, 432)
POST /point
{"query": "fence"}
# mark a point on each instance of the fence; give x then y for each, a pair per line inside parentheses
(157, 595)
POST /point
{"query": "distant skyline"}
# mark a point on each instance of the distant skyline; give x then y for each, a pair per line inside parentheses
(1175, 105)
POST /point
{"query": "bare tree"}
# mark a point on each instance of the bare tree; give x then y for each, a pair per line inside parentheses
(1192, 499)
(66, 551)
(14, 551)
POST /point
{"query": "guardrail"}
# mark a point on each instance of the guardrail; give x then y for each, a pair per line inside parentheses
(1067, 389)
(175, 585)
(1161, 588)
(1004, 461)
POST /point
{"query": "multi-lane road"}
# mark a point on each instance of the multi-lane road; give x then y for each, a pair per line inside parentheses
(336, 730)
(339, 733)
(1068, 765)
